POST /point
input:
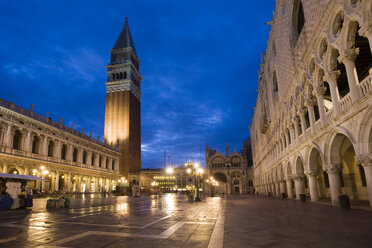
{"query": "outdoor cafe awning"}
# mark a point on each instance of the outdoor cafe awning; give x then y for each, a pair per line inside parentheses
(23, 177)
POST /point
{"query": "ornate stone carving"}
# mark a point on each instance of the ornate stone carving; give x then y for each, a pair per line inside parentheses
(348, 55)
(332, 76)
(364, 159)
(320, 90)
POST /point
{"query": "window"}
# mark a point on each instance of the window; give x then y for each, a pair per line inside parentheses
(63, 151)
(35, 144)
(298, 20)
(50, 148)
(100, 161)
(84, 157)
(107, 163)
(17, 140)
(93, 158)
(74, 155)
(275, 82)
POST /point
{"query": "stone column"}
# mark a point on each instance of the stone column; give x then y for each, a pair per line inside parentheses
(44, 146)
(299, 186)
(28, 142)
(319, 93)
(334, 182)
(277, 190)
(56, 185)
(78, 184)
(291, 133)
(366, 161)
(8, 136)
(5, 168)
(310, 107)
(296, 128)
(302, 113)
(289, 188)
(348, 57)
(57, 149)
(331, 78)
(88, 184)
(312, 186)
(26, 171)
(286, 139)
(282, 186)
(69, 182)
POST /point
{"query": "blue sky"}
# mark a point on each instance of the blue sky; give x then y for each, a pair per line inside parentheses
(199, 62)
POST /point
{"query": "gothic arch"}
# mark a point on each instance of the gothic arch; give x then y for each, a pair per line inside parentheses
(333, 143)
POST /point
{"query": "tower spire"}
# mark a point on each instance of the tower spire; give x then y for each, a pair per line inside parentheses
(125, 38)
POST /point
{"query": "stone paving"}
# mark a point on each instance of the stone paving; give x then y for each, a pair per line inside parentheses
(149, 221)
(259, 221)
(171, 221)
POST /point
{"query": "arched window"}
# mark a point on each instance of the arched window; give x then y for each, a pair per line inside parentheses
(50, 148)
(84, 157)
(125, 75)
(298, 20)
(93, 159)
(63, 151)
(13, 171)
(74, 155)
(17, 140)
(35, 144)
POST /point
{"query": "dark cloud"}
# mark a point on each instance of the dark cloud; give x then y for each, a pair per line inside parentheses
(199, 61)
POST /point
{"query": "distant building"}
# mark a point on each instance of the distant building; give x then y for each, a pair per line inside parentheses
(312, 126)
(233, 171)
(178, 180)
(31, 144)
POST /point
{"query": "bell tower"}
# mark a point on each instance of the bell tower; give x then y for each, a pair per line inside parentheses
(123, 102)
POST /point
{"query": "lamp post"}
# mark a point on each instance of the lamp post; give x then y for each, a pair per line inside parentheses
(169, 171)
(195, 171)
(43, 172)
(212, 183)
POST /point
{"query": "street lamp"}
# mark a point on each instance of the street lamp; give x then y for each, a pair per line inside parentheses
(169, 171)
(43, 172)
(194, 170)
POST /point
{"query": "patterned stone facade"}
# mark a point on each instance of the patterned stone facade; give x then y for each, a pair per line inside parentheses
(311, 130)
(75, 162)
(232, 171)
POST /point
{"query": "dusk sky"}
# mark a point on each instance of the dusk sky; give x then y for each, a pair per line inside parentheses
(199, 63)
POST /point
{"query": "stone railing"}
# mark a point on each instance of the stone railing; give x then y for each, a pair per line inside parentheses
(366, 85)
(329, 114)
(346, 102)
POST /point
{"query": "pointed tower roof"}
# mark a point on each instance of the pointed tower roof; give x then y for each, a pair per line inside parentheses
(125, 38)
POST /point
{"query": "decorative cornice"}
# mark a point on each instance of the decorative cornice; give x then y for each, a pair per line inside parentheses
(123, 86)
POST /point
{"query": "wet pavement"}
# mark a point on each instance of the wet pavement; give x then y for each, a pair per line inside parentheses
(171, 221)
(259, 221)
(149, 221)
